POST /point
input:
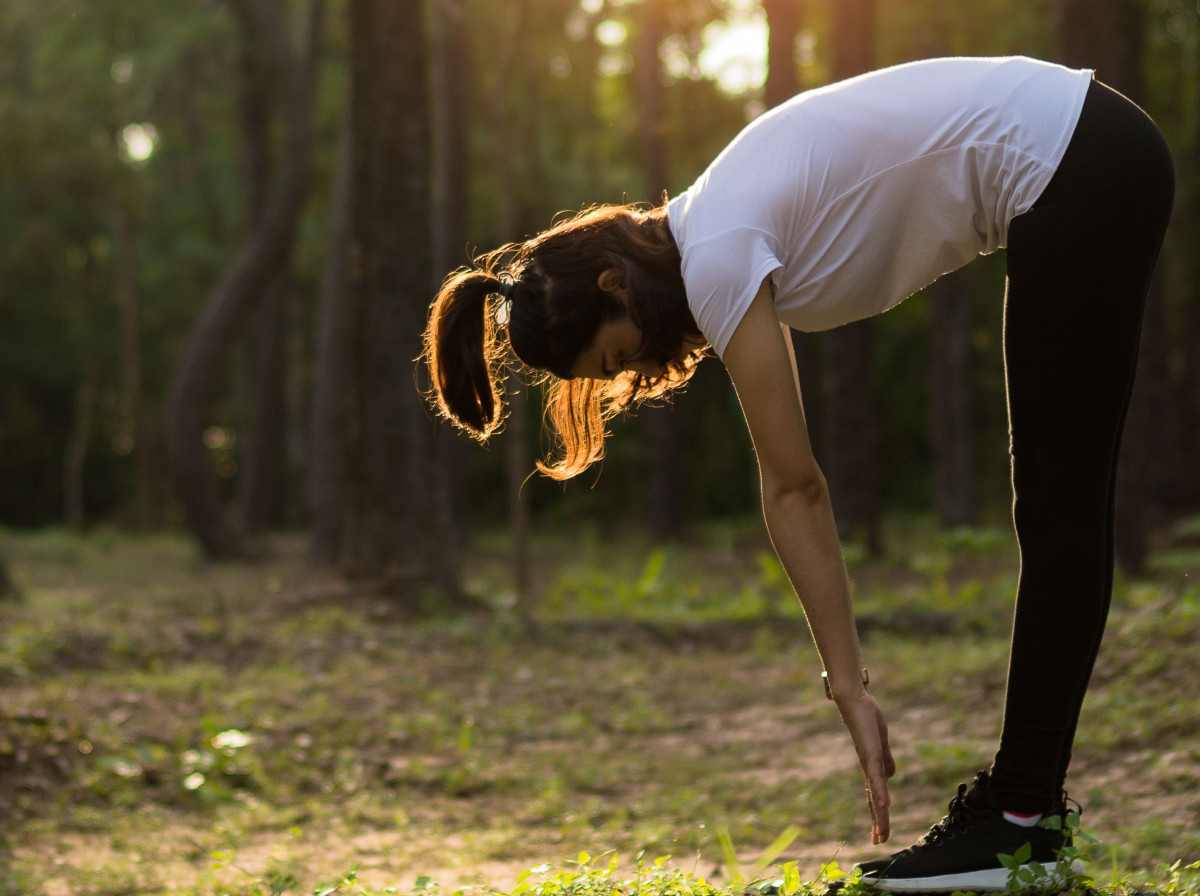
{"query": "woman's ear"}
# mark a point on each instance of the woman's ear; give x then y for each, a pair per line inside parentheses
(611, 280)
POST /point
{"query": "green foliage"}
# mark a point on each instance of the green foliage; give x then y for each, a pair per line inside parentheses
(250, 729)
(542, 88)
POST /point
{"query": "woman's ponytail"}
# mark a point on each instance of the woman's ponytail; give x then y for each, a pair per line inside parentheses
(463, 354)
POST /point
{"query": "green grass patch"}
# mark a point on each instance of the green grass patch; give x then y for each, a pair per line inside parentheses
(168, 726)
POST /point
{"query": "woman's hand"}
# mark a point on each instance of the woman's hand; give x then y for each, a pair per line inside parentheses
(864, 719)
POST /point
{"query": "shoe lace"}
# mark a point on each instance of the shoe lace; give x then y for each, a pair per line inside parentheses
(960, 816)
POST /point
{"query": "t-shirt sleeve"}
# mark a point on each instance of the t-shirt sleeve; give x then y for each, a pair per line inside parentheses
(722, 275)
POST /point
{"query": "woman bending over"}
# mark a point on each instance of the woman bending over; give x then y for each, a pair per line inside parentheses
(834, 207)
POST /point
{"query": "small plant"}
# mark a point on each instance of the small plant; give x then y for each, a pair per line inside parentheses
(1067, 873)
(1181, 879)
(587, 879)
(738, 875)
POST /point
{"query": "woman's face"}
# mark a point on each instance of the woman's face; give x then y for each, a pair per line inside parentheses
(615, 349)
(618, 342)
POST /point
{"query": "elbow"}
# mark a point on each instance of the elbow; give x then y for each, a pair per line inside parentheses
(800, 492)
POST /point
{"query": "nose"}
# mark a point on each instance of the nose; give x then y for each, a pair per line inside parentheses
(646, 367)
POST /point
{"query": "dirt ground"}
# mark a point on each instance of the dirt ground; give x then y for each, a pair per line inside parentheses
(471, 751)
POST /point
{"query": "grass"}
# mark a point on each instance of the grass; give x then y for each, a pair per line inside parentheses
(168, 726)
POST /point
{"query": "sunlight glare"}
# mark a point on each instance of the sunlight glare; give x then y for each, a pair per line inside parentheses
(138, 142)
(611, 33)
(122, 69)
(735, 51)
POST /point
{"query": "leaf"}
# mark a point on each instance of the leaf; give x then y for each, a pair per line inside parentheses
(729, 856)
(772, 852)
(1051, 823)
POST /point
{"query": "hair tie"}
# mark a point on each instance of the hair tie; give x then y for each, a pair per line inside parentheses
(506, 289)
(508, 286)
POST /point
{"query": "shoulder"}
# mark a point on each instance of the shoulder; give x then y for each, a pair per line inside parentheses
(722, 274)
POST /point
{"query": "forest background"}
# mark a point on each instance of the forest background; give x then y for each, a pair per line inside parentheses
(223, 223)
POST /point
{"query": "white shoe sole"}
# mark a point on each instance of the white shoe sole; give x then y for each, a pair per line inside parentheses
(992, 880)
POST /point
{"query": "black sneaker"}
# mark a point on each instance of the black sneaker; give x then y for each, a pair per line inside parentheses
(961, 852)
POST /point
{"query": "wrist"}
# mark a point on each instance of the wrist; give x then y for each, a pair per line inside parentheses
(866, 680)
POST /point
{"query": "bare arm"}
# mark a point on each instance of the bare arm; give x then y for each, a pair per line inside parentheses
(800, 521)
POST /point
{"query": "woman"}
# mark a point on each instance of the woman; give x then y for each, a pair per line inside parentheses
(830, 208)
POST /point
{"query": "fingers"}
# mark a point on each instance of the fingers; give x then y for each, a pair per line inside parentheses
(889, 762)
(879, 799)
(869, 731)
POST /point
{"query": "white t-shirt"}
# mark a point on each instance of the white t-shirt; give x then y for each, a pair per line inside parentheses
(853, 196)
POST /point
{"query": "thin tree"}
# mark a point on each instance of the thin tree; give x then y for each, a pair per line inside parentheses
(504, 128)
(8, 588)
(331, 368)
(399, 528)
(661, 424)
(261, 471)
(148, 509)
(234, 300)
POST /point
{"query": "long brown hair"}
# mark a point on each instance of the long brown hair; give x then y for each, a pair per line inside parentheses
(543, 297)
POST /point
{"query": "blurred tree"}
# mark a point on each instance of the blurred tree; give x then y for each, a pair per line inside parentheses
(1106, 35)
(850, 445)
(453, 67)
(399, 528)
(951, 438)
(783, 30)
(235, 299)
(1185, 490)
(8, 588)
(661, 427)
(332, 366)
(261, 472)
(144, 441)
(1173, 96)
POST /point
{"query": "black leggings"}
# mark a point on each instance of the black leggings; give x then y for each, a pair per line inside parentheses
(1079, 268)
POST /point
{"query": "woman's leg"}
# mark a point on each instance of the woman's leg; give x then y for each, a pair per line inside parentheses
(1079, 267)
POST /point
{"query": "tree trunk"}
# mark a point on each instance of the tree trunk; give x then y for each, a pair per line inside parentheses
(516, 454)
(453, 68)
(264, 459)
(260, 474)
(851, 433)
(148, 512)
(783, 27)
(399, 526)
(332, 368)
(234, 300)
(77, 442)
(950, 399)
(8, 588)
(660, 423)
(1188, 217)
(850, 425)
(1107, 35)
